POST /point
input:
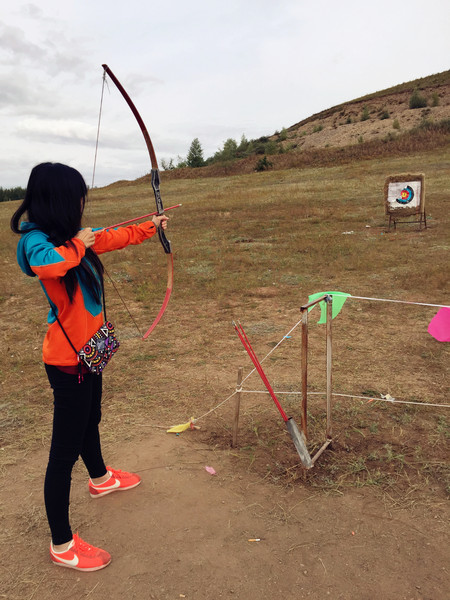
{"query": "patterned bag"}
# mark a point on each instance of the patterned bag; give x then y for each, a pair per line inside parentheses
(97, 352)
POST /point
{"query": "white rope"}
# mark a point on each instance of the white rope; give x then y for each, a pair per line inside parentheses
(218, 406)
(273, 349)
(398, 301)
(391, 400)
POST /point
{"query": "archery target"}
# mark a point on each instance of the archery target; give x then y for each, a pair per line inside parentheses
(404, 194)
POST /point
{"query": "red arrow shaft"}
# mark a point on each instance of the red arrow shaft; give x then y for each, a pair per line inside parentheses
(141, 217)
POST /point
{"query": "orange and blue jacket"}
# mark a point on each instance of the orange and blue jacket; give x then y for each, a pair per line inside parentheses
(82, 317)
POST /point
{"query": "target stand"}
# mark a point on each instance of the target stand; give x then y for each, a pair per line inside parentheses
(404, 197)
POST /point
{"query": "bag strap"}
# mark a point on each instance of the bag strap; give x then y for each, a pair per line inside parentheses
(60, 324)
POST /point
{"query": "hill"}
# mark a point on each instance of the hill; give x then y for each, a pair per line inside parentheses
(377, 125)
(374, 117)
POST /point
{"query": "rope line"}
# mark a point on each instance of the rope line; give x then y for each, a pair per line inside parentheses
(218, 406)
(273, 349)
(391, 401)
(397, 301)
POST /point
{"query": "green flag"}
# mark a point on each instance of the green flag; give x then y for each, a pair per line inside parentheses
(338, 302)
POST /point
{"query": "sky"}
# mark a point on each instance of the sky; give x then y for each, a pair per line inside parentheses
(206, 69)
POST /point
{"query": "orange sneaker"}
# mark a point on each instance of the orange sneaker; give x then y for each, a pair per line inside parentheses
(118, 482)
(81, 556)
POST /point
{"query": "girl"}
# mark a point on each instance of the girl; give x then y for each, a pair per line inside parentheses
(64, 257)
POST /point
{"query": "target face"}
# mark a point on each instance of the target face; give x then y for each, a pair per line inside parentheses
(404, 194)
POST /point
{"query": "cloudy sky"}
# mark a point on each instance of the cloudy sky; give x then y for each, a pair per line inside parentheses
(210, 69)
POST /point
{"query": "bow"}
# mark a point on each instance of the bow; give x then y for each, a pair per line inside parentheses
(159, 205)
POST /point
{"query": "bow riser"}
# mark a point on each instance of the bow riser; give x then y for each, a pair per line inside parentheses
(159, 205)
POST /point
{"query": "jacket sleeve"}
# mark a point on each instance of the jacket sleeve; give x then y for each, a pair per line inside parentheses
(48, 261)
(107, 240)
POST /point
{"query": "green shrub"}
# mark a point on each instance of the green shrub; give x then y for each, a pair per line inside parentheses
(384, 115)
(435, 99)
(365, 114)
(317, 128)
(263, 164)
(271, 147)
(396, 124)
(417, 100)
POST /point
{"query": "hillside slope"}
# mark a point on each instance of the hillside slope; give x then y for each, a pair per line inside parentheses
(377, 125)
(374, 117)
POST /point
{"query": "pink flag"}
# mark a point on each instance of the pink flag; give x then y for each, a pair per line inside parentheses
(439, 326)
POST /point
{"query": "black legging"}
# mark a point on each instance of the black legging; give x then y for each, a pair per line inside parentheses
(77, 414)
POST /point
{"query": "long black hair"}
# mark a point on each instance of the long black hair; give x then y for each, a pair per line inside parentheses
(54, 201)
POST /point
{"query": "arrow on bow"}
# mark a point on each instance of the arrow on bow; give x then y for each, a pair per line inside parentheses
(159, 205)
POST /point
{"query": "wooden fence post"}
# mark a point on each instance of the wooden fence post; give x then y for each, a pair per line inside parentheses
(237, 406)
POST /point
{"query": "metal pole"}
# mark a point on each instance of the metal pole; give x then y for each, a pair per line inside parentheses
(329, 363)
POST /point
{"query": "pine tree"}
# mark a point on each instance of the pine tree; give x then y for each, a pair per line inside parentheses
(195, 154)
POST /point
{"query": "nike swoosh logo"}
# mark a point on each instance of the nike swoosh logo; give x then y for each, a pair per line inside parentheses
(108, 487)
(73, 562)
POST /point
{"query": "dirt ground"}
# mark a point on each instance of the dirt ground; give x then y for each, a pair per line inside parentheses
(371, 522)
(186, 534)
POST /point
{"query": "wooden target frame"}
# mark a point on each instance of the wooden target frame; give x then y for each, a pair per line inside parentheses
(404, 197)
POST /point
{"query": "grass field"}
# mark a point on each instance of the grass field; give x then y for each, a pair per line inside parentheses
(253, 247)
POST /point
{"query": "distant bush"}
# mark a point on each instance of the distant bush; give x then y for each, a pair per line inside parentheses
(396, 124)
(195, 155)
(317, 128)
(390, 137)
(417, 100)
(365, 114)
(167, 165)
(271, 147)
(435, 99)
(263, 164)
(227, 152)
(431, 126)
(384, 114)
(349, 120)
(283, 135)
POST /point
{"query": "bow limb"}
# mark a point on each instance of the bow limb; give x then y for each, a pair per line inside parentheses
(155, 185)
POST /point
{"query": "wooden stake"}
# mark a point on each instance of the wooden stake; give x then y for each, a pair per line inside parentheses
(304, 406)
(237, 406)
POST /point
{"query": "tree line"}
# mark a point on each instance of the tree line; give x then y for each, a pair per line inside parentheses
(15, 193)
(230, 150)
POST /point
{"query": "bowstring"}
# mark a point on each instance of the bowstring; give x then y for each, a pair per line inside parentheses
(105, 82)
(98, 126)
(123, 302)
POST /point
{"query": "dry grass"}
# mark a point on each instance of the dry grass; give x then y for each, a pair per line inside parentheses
(253, 247)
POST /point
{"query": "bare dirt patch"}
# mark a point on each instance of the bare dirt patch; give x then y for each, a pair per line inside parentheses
(185, 534)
